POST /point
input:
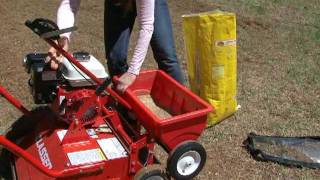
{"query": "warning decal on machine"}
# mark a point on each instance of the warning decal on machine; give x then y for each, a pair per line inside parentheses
(63, 132)
(87, 156)
(112, 148)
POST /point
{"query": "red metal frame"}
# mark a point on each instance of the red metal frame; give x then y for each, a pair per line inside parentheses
(186, 125)
(14, 101)
(114, 122)
(75, 127)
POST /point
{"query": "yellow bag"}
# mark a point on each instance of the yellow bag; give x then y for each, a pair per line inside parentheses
(210, 40)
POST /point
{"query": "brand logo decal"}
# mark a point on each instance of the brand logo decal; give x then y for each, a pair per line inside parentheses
(43, 153)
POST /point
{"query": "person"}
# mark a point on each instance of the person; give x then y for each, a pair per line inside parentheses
(154, 28)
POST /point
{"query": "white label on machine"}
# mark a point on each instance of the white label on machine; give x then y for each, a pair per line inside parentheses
(112, 148)
(92, 133)
(62, 133)
(85, 157)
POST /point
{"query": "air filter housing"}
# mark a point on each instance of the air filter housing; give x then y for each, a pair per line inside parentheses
(76, 77)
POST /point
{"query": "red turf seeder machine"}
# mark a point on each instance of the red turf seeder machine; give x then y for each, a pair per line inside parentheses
(89, 131)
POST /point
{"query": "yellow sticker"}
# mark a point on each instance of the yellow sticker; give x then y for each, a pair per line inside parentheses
(218, 71)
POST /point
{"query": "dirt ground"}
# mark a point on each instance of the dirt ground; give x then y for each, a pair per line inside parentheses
(278, 72)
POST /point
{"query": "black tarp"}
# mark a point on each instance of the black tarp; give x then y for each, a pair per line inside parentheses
(291, 151)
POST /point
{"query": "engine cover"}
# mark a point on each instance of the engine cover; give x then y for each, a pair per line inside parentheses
(76, 77)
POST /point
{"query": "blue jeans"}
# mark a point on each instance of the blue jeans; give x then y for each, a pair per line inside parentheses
(118, 27)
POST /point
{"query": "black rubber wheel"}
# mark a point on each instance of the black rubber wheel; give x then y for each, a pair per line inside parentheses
(186, 160)
(20, 128)
(151, 172)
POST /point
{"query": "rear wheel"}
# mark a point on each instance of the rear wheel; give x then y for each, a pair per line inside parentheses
(19, 129)
(186, 160)
(13, 169)
(151, 172)
(5, 167)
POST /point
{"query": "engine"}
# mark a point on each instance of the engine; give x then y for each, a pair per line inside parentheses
(44, 83)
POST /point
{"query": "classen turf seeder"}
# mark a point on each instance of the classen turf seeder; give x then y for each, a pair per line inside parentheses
(87, 130)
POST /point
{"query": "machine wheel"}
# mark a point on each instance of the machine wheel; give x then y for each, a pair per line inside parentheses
(13, 168)
(151, 172)
(186, 160)
(16, 132)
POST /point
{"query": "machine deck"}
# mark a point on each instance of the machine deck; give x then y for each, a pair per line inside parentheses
(102, 147)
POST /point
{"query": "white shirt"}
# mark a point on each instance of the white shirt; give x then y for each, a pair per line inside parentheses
(145, 13)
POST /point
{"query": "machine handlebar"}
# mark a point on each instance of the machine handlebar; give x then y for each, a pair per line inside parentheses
(47, 29)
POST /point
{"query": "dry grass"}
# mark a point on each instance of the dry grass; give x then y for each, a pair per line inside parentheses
(278, 73)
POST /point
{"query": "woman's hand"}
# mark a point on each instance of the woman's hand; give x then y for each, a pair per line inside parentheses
(54, 57)
(125, 81)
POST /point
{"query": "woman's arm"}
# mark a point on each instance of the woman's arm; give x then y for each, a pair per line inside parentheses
(145, 13)
(65, 18)
(66, 15)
